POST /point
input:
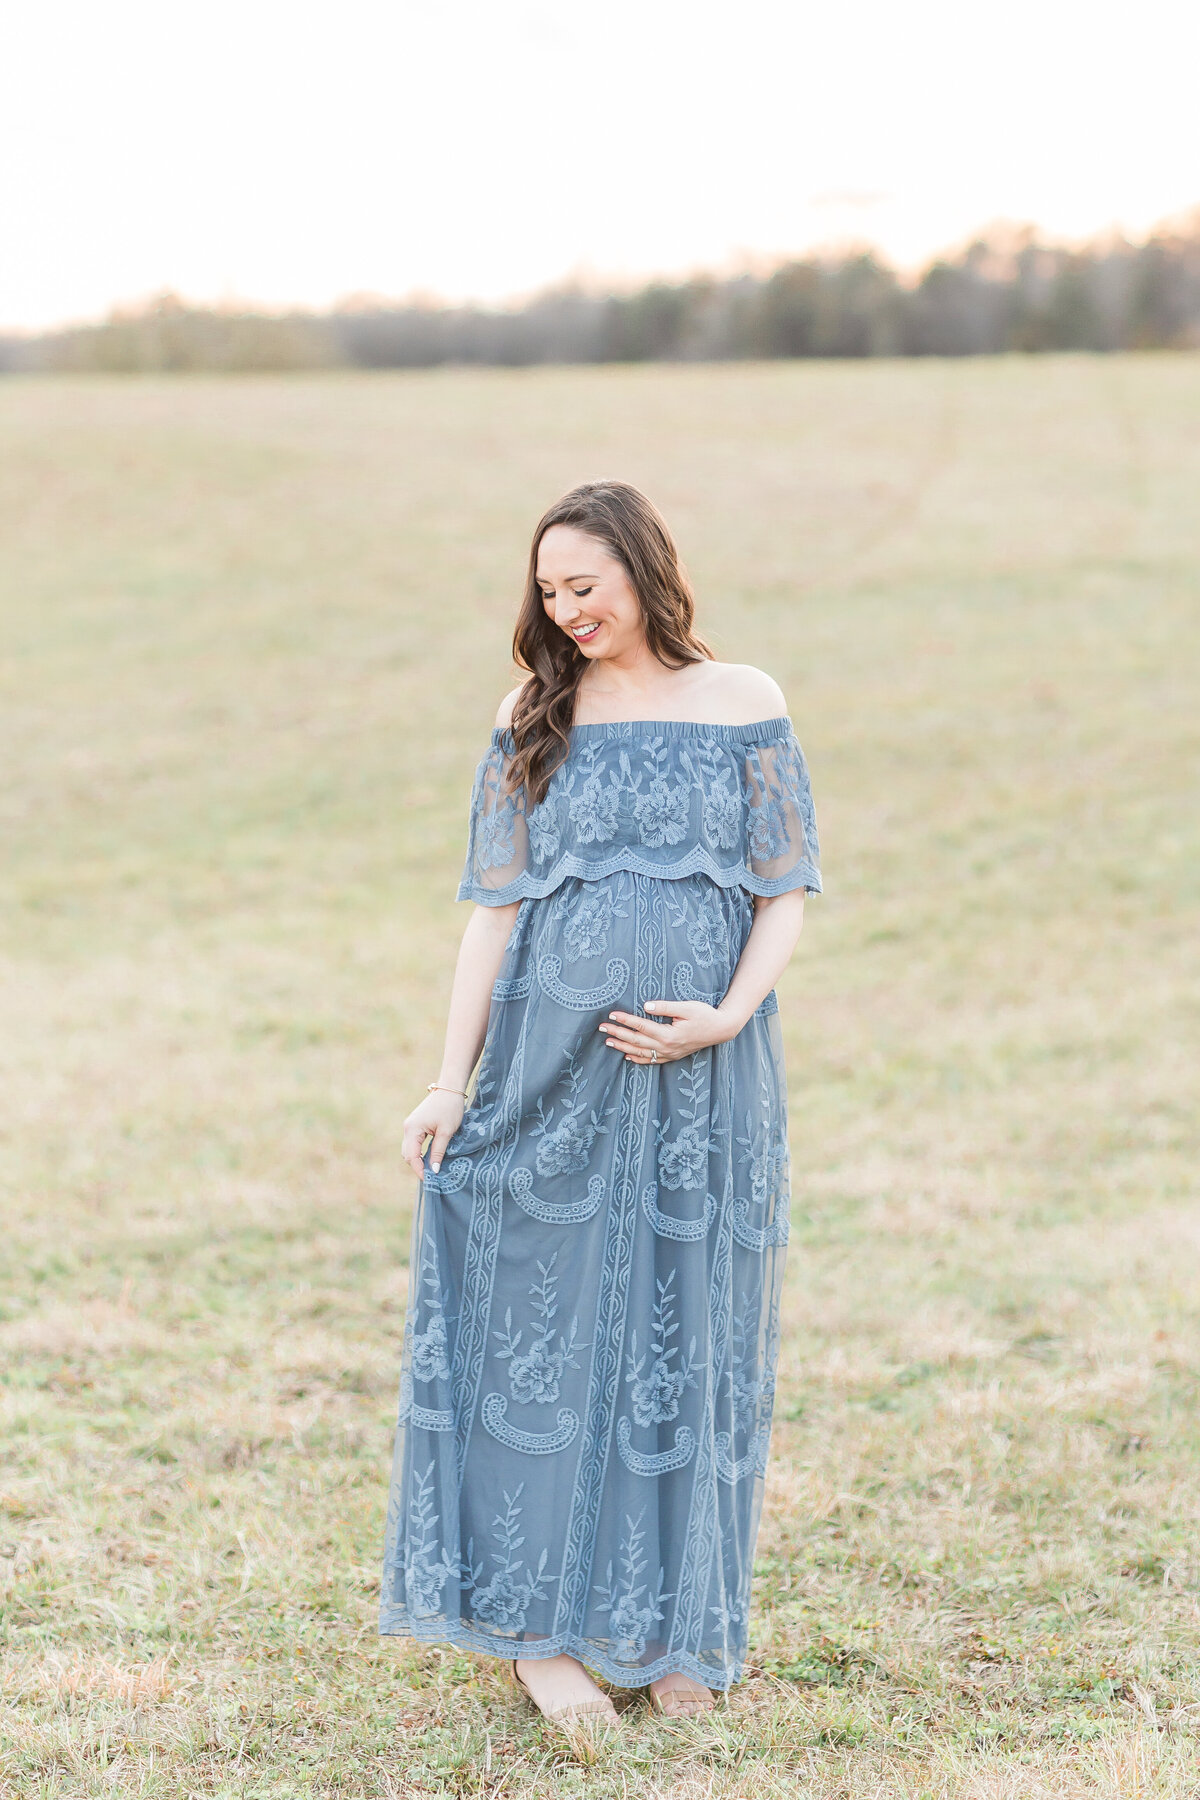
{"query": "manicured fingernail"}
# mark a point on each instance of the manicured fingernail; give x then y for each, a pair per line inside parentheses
(436, 1167)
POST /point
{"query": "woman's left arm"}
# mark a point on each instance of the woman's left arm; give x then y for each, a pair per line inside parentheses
(694, 1024)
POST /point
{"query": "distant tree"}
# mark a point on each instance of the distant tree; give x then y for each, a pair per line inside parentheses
(788, 314)
(1004, 292)
(1164, 302)
(649, 325)
(169, 337)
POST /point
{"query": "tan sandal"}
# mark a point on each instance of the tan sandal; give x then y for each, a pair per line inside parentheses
(681, 1702)
(577, 1713)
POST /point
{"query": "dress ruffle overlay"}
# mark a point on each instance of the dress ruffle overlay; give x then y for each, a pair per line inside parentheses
(589, 1355)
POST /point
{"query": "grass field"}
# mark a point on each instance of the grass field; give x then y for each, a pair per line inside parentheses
(253, 635)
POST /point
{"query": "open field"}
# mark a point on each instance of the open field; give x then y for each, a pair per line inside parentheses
(253, 633)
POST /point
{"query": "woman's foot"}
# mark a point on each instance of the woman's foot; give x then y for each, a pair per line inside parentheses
(679, 1697)
(562, 1690)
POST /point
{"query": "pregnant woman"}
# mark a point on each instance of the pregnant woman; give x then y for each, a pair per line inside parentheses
(593, 1327)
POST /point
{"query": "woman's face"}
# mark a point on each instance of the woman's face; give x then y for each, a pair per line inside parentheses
(586, 593)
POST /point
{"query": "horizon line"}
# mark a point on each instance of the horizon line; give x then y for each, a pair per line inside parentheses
(998, 233)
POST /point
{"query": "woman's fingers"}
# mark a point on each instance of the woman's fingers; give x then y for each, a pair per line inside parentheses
(677, 1009)
(627, 1039)
(640, 1047)
(633, 1030)
(637, 1037)
(410, 1147)
(437, 1119)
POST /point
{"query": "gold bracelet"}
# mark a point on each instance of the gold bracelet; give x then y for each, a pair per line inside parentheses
(436, 1087)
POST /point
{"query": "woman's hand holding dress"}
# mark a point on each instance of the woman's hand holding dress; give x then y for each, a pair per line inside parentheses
(441, 1114)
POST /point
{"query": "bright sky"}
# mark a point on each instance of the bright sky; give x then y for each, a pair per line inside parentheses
(296, 151)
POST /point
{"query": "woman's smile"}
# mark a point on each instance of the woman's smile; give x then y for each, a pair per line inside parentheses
(581, 633)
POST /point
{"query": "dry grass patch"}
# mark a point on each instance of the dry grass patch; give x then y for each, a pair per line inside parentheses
(254, 634)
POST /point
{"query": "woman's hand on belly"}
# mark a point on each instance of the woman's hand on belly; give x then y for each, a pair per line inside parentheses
(693, 1025)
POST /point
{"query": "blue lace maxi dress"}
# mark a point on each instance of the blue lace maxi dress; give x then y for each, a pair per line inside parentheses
(589, 1354)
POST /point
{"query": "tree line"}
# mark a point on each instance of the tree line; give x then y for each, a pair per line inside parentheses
(1003, 293)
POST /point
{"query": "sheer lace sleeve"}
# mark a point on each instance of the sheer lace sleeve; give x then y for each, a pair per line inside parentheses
(497, 837)
(781, 849)
(662, 798)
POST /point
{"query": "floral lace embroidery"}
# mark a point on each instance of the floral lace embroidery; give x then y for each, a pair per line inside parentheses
(661, 807)
(707, 931)
(751, 1395)
(593, 811)
(768, 1160)
(589, 923)
(722, 810)
(545, 834)
(514, 1586)
(655, 1396)
(429, 1347)
(731, 1615)
(535, 1374)
(426, 1571)
(632, 1606)
(494, 845)
(739, 810)
(768, 831)
(683, 1160)
(563, 1147)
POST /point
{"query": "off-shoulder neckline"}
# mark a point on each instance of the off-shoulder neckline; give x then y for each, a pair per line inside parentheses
(758, 731)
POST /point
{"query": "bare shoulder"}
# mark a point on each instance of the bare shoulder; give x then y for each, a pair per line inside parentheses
(504, 711)
(743, 694)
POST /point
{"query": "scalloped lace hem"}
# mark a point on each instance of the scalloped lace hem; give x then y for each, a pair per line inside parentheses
(697, 862)
(395, 1622)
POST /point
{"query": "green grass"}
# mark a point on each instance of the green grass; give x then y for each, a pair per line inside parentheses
(253, 635)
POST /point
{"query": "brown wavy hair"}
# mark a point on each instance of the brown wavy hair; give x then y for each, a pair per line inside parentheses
(631, 527)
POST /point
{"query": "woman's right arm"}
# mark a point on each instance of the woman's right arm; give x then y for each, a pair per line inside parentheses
(488, 930)
(440, 1114)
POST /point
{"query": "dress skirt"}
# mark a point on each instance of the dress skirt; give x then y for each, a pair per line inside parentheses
(589, 1356)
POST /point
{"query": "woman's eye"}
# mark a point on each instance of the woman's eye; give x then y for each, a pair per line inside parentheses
(581, 593)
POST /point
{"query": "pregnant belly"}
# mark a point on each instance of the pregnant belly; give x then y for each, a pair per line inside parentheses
(580, 944)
